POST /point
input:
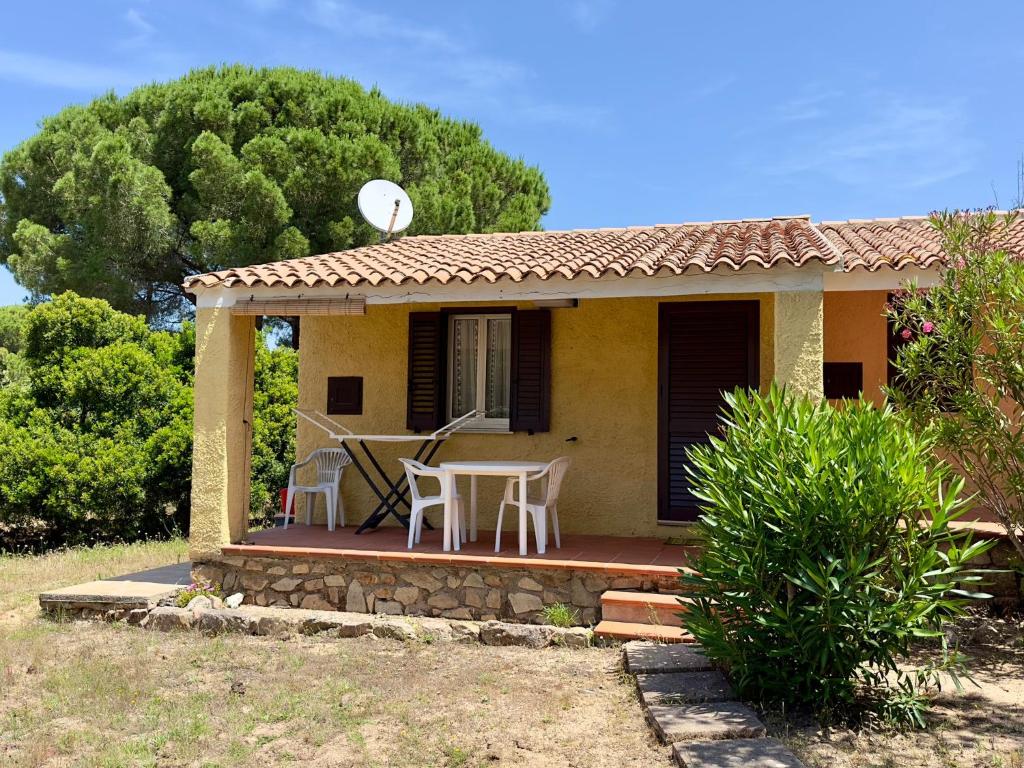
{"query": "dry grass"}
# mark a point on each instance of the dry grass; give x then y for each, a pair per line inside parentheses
(96, 695)
(84, 694)
(131, 697)
(24, 576)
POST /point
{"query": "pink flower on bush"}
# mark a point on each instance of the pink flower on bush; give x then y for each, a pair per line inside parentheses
(928, 326)
(905, 333)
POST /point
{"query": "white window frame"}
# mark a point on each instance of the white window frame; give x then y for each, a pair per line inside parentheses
(485, 424)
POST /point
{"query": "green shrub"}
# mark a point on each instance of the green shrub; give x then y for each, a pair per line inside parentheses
(560, 615)
(827, 552)
(96, 425)
(201, 588)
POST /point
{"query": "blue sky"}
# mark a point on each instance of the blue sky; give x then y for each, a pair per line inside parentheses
(637, 113)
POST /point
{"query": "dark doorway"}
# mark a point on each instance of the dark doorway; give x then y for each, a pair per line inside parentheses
(704, 348)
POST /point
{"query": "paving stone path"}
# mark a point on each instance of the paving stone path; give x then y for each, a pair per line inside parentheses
(691, 706)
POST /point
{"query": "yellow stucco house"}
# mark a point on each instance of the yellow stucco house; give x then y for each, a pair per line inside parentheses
(608, 346)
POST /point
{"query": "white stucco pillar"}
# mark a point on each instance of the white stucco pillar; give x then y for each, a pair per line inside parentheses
(221, 454)
(799, 341)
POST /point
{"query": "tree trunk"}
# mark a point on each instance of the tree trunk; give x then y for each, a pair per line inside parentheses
(294, 323)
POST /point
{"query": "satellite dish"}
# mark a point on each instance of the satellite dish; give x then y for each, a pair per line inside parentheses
(385, 206)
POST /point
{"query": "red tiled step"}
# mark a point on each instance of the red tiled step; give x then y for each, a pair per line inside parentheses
(642, 608)
(627, 630)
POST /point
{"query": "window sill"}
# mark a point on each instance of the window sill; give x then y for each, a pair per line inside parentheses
(486, 431)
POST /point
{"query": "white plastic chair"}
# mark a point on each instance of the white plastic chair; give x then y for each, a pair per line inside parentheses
(413, 470)
(329, 465)
(538, 506)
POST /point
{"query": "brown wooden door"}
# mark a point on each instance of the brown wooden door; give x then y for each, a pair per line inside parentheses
(705, 348)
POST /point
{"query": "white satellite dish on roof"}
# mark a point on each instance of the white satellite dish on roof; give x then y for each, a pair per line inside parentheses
(385, 206)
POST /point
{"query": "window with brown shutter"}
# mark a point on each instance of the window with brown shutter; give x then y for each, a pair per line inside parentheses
(461, 360)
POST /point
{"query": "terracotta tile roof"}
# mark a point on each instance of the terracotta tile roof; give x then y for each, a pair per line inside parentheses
(596, 252)
(898, 243)
(852, 245)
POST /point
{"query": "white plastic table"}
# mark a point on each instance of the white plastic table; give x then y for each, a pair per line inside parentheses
(475, 469)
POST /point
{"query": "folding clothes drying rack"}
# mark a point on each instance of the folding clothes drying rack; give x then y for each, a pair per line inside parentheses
(391, 492)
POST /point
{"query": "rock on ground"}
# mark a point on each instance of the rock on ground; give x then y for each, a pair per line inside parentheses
(500, 633)
(167, 619)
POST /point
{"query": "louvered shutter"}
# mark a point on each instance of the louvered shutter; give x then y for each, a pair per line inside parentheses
(705, 348)
(426, 388)
(531, 371)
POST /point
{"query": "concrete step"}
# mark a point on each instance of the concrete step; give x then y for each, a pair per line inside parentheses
(642, 608)
(750, 753)
(627, 630)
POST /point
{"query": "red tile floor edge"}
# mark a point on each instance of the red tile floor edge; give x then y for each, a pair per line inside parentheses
(605, 554)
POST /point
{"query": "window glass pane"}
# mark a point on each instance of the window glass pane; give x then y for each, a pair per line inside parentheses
(464, 360)
(499, 362)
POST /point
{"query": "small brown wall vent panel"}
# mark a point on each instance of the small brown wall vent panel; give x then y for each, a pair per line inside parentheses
(345, 395)
(844, 381)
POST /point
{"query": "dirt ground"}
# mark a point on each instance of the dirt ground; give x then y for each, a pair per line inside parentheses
(982, 726)
(85, 694)
(94, 695)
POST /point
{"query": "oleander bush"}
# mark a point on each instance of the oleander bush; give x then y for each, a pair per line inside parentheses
(960, 365)
(827, 553)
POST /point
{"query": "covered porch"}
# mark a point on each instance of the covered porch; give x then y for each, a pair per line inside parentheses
(617, 372)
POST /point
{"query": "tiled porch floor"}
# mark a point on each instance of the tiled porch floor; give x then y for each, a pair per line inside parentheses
(600, 553)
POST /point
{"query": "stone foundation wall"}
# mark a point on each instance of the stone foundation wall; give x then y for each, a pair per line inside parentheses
(478, 593)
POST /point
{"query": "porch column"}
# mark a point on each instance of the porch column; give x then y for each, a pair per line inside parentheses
(222, 446)
(799, 341)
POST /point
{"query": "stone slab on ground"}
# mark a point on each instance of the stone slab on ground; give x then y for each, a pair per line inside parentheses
(735, 753)
(107, 594)
(695, 722)
(684, 687)
(646, 657)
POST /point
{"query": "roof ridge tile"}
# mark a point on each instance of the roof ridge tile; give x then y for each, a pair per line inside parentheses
(651, 249)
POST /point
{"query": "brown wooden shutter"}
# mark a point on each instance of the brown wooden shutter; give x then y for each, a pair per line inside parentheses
(426, 393)
(704, 348)
(531, 371)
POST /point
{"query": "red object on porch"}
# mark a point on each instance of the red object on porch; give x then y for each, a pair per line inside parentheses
(284, 500)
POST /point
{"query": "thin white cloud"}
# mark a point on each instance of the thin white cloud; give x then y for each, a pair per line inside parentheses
(263, 6)
(894, 143)
(352, 21)
(142, 30)
(811, 106)
(61, 73)
(424, 63)
(708, 88)
(588, 15)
